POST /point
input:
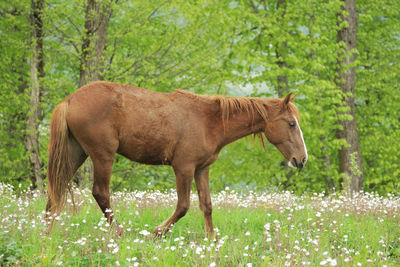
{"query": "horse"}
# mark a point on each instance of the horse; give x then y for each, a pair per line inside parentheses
(181, 129)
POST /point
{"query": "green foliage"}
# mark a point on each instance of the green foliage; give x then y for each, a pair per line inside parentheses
(10, 251)
(377, 94)
(14, 100)
(229, 47)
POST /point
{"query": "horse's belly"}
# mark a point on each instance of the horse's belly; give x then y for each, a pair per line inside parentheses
(145, 159)
(145, 153)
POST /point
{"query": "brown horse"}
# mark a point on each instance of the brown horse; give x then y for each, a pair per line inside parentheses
(181, 129)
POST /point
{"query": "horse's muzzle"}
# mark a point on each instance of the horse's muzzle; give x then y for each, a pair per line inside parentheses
(294, 163)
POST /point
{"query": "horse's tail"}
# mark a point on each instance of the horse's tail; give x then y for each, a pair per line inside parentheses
(59, 169)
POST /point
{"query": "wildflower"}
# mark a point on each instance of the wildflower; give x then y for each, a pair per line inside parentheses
(198, 250)
(144, 232)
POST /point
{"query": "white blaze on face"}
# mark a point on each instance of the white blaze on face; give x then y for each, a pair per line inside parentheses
(302, 139)
(304, 144)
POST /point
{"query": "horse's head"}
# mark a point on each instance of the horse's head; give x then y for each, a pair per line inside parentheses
(283, 131)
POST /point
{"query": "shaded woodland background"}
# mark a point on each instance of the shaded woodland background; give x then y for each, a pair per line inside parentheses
(340, 57)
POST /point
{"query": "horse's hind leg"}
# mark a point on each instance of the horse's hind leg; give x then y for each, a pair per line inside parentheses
(102, 167)
(99, 139)
(184, 179)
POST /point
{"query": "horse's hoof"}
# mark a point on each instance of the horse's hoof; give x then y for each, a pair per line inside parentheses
(119, 232)
(157, 234)
(212, 236)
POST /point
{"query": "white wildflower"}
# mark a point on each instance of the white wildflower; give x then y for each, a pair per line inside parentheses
(144, 232)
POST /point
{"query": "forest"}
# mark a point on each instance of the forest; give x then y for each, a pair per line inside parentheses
(340, 57)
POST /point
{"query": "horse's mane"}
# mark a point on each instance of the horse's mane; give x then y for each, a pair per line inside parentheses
(250, 105)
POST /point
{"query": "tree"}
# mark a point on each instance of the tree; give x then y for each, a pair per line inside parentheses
(97, 17)
(350, 155)
(36, 74)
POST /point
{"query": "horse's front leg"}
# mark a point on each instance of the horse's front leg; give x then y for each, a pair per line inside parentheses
(203, 189)
(184, 178)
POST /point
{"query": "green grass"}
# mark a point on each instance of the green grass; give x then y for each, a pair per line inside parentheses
(269, 229)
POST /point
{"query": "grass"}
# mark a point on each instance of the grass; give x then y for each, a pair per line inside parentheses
(256, 229)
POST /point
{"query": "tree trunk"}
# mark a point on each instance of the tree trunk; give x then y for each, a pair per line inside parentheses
(281, 51)
(349, 156)
(97, 17)
(36, 73)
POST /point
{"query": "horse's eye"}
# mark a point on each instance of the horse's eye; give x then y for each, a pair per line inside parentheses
(291, 124)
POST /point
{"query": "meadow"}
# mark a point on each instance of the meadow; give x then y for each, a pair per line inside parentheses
(253, 229)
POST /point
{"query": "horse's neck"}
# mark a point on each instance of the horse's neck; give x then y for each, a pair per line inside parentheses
(238, 125)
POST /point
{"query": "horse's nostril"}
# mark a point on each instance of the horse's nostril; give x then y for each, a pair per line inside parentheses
(303, 160)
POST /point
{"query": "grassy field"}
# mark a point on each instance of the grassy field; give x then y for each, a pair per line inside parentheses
(254, 229)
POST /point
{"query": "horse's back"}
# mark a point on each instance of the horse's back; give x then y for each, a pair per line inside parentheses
(98, 102)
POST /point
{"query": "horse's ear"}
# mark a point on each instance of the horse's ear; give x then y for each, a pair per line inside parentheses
(286, 101)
